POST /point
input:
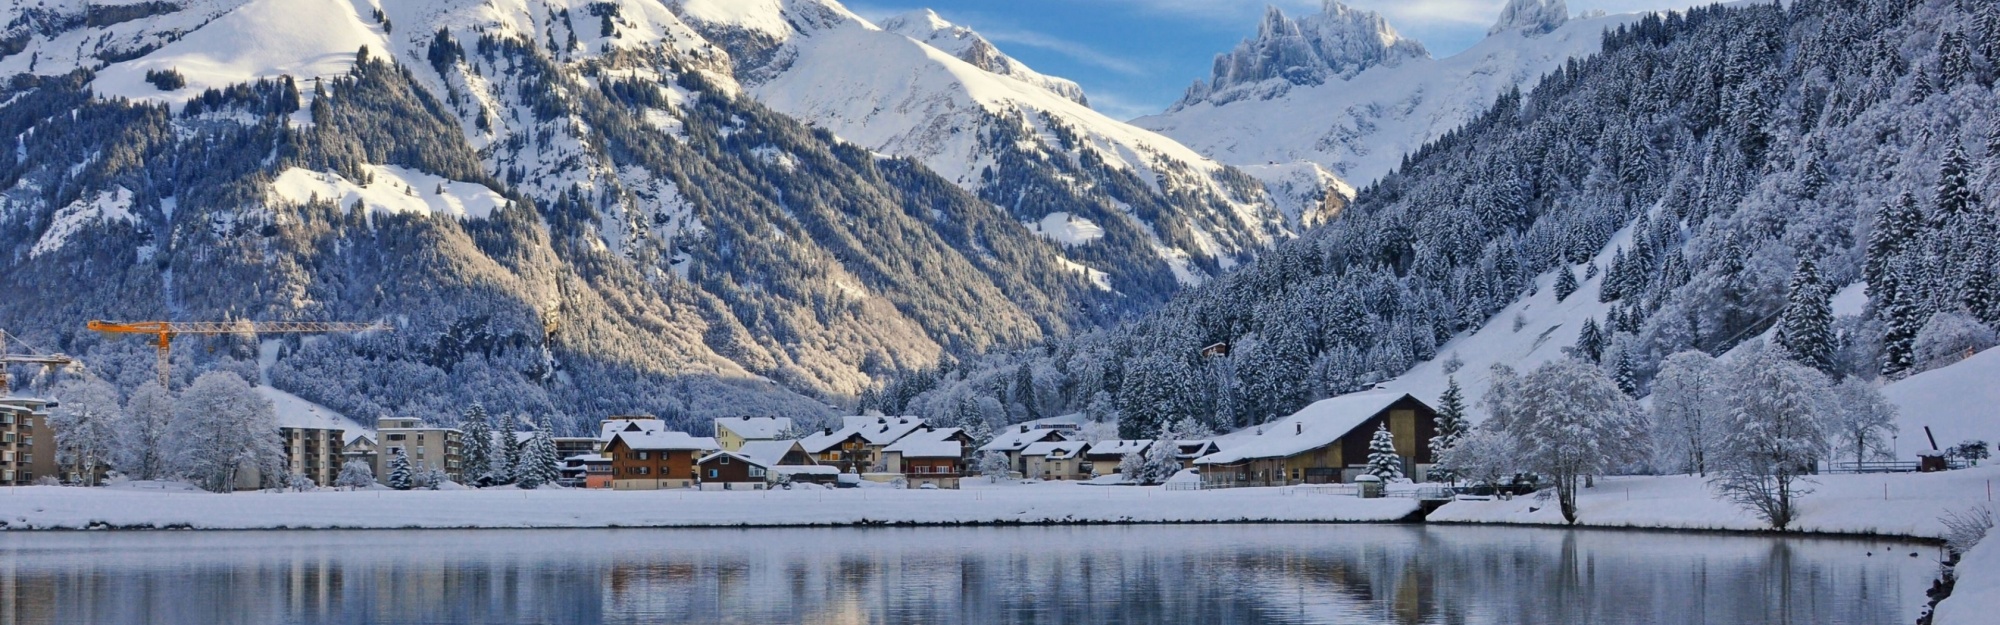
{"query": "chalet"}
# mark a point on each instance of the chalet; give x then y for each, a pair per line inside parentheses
(733, 432)
(1055, 460)
(652, 460)
(1190, 450)
(728, 470)
(857, 446)
(1012, 441)
(936, 457)
(1103, 456)
(1326, 442)
(788, 460)
(613, 425)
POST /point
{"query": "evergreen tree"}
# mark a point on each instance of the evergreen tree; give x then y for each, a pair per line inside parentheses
(400, 477)
(1451, 426)
(1382, 459)
(1897, 225)
(477, 453)
(1590, 341)
(1624, 372)
(1805, 327)
(1955, 200)
(1565, 282)
(507, 470)
(1902, 319)
(540, 464)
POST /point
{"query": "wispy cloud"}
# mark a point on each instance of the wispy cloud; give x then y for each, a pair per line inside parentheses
(1122, 108)
(1074, 50)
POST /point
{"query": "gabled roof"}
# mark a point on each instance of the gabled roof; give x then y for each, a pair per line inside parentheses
(819, 442)
(1055, 450)
(608, 427)
(1316, 426)
(664, 441)
(1195, 449)
(1016, 439)
(928, 444)
(734, 456)
(1120, 447)
(770, 453)
(872, 430)
(754, 427)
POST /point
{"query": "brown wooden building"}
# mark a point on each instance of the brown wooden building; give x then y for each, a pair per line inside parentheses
(652, 460)
(1327, 442)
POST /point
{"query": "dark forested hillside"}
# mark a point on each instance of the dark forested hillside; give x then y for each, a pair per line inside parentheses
(1760, 158)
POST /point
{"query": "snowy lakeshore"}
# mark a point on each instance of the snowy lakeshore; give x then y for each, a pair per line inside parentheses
(36, 508)
(1887, 504)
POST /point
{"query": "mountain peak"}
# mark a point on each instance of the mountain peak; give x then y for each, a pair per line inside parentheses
(926, 26)
(1531, 17)
(1334, 44)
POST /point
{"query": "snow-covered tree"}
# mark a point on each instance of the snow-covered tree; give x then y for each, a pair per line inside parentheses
(400, 475)
(355, 474)
(1565, 282)
(1948, 338)
(1590, 341)
(1571, 423)
(1774, 432)
(1861, 420)
(299, 483)
(1485, 456)
(540, 466)
(1451, 426)
(85, 423)
(993, 465)
(505, 469)
(1971, 451)
(145, 433)
(1154, 464)
(1688, 408)
(224, 426)
(476, 455)
(1382, 459)
(1805, 327)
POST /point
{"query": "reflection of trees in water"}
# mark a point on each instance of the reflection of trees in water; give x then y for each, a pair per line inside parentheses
(1407, 575)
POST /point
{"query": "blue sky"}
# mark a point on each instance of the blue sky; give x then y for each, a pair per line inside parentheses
(1136, 57)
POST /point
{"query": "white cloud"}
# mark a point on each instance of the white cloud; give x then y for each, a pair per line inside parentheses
(1122, 108)
(1076, 51)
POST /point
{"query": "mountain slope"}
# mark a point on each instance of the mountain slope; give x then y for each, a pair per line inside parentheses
(564, 206)
(1360, 123)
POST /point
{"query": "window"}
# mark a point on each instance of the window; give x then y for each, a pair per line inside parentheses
(712, 473)
(725, 459)
(644, 455)
(395, 437)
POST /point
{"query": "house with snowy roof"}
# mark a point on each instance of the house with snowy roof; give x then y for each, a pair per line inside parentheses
(1103, 456)
(1191, 450)
(656, 459)
(1326, 442)
(856, 447)
(937, 457)
(1012, 440)
(788, 460)
(732, 432)
(1054, 460)
(613, 425)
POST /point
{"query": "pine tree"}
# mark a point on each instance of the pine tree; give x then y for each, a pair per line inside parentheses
(1451, 426)
(1590, 341)
(1382, 459)
(1955, 200)
(1954, 59)
(477, 454)
(400, 477)
(1897, 225)
(1565, 282)
(507, 470)
(1624, 372)
(540, 464)
(1902, 319)
(1805, 327)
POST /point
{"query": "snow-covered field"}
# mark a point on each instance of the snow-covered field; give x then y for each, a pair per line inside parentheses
(48, 507)
(1901, 504)
(1976, 598)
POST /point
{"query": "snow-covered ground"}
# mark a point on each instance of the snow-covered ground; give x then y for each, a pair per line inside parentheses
(1901, 504)
(1976, 598)
(1958, 403)
(393, 190)
(49, 507)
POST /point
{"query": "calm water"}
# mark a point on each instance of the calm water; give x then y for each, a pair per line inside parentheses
(1081, 575)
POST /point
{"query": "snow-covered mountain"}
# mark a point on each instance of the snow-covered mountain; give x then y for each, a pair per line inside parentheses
(689, 208)
(1359, 114)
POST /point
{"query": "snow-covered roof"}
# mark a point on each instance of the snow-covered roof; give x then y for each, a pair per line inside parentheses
(1055, 450)
(909, 448)
(1316, 426)
(659, 440)
(28, 404)
(1120, 447)
(1016, 439)
(1195, 449)
(805, 469)
(294, 412)
(753, 427)
(609, 427)
(767, 452)
(874, 430)
(730, 454)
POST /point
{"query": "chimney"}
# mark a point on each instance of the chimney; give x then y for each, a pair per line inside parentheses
(1302, 427)
(1024, 429)
(829, 431)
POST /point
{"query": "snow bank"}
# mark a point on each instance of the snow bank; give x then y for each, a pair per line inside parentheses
(257, 40)
(49, 507)
(1958, 402)
(393, 190)
(1067, 229)
(1903, 504)
(1976, 598)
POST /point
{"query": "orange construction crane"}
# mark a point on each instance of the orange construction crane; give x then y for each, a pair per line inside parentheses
(167, 330)
(48, 360)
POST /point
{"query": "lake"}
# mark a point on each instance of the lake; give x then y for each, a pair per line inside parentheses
(1404, 574)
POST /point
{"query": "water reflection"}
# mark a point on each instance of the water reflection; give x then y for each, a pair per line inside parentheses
(1191, 574)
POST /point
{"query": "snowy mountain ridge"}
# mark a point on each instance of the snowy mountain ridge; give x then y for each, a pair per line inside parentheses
(925, 26)
(1334, 44)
